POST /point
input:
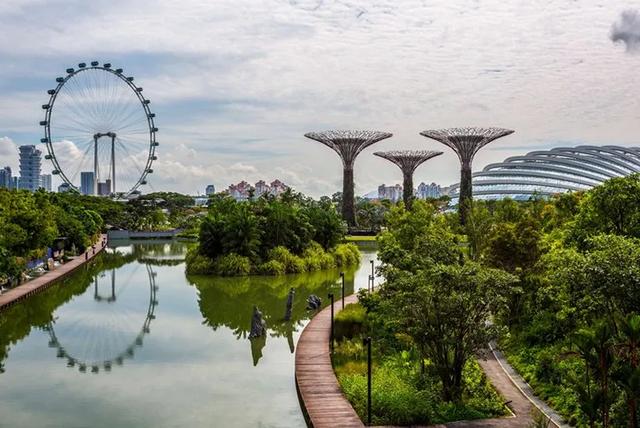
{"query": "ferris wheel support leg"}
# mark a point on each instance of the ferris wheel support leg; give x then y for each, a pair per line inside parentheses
(95, 164)
(113, 164)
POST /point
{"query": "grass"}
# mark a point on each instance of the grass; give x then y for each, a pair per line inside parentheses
(354, 238)
(401, 393)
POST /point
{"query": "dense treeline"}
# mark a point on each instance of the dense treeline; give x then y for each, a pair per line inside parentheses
(270, 235)
(555, 281)
(32, 222)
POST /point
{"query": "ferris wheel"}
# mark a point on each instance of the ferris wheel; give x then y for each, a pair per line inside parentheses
(110, 333)
(99, 131)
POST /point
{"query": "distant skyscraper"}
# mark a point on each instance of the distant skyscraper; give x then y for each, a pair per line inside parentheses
(393, 193)
(261, 188)
(210, 190)
(86, 182)
(45, 182)
(428, 191)
(30, 161)
(104, 189)
(6, 180)
(64, 187)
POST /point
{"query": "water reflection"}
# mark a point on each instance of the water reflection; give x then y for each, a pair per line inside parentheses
(101, 337)
(197, 361)
(38, 312)
(229, 302)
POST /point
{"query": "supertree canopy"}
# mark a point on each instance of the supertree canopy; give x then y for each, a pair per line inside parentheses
(466, 142)
(408, 161)
(348, 145)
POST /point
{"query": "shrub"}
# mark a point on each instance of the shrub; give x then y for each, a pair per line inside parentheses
(395, 400)
(197, 264)
(232, 264)
(272, 267)
(350, 321)
(316, 258)
(291, 262)
(347, 254)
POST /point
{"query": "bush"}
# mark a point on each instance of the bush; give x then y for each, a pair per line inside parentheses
(232, 264)
(197, 264)
(272, 267)
(347, 255)
(291, 262)
(350, 321)
(316, 258)
(395, 400)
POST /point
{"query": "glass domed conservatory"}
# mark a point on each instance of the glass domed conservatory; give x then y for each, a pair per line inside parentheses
(553, 171)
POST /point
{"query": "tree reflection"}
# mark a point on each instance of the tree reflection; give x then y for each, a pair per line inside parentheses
(229, 302)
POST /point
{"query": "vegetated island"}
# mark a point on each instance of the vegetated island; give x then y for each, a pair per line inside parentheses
(270, 235)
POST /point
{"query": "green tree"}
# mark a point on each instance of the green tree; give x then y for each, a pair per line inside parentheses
(446, 311)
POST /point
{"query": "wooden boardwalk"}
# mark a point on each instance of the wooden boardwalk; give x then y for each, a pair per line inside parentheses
(42, 282)
(326, 406)
(320, 393)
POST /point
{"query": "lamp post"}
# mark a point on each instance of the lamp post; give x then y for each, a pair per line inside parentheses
(342, 277)
(332, 335)
(367, 342)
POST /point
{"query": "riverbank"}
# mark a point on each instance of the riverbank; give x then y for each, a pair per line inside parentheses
(42, 282)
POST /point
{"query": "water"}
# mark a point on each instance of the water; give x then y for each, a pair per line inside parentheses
(133, 342)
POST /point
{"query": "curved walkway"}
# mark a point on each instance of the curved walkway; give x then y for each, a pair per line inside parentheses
(326, 406)
(320, 394)
(42, 282)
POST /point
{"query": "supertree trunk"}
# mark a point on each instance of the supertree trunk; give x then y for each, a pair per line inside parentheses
(408, 161)
(348, 201)
(348, 145)
(466, 142)
(466, 194)
(407, 190)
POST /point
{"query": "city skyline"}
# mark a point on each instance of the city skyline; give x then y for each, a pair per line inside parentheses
(238, 108)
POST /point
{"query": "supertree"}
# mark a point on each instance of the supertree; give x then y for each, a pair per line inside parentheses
(348, 145)
(408, 161)
(466, 142)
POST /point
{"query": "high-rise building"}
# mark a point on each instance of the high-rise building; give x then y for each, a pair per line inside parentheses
(64, 187)
(425, 191)
(277, 187)
(30, 162)
(104, 189)
(6, 180)
(261, 188)
(45, 182)
(86, 182)
(393, 193)
(210, 190)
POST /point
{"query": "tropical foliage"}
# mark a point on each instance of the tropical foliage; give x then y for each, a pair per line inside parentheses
(555, 281)
(270, 236)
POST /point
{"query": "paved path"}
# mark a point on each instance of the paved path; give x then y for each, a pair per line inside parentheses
(320, 393)
(326, 405)
(42, 282)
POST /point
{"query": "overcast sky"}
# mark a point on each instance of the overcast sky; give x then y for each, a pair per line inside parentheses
(235, 84)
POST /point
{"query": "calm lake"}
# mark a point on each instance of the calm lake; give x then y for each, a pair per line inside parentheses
(131, 341)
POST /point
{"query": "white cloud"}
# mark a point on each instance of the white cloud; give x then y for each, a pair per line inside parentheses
(9, 154)
(238, 82)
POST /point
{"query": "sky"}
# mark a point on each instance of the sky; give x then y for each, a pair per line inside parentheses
(235, 84)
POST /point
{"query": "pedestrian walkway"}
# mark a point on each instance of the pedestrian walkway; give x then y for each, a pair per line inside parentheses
(320, 394)
(326, 406)
(42, 282)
